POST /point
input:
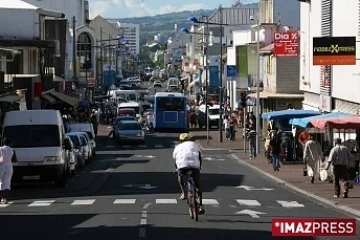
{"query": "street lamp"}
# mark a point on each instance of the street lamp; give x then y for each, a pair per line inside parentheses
(195, 20)
(257, 103)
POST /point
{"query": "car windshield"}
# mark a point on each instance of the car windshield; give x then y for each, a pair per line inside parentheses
(214, 111)
(90, 135)
(171, 104)
(129, 126)
(32, 136)
(75, 140)
(132, 97)
(117, 120)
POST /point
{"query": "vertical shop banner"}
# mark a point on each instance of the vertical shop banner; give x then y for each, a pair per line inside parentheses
(231, 73)
(214, 76)
(109, 75)
(286, 44)
(242, 66)
(329, 51)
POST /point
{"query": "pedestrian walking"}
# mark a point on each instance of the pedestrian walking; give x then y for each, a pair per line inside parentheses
(340, 158)
(251, 137)
(7, 157)
(275, 145)
(312, 157)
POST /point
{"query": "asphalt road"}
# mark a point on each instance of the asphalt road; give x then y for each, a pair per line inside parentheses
(130, 192)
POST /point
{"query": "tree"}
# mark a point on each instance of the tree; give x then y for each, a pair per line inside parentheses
(160, 61)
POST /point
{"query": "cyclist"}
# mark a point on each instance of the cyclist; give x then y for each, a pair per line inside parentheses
(187, 156)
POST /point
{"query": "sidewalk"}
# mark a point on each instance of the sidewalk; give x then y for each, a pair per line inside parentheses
(291, 175)
(214, 140)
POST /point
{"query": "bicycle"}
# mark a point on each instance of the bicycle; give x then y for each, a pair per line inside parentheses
(192, 196)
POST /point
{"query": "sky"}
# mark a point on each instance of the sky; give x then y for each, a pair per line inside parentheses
(140, 8)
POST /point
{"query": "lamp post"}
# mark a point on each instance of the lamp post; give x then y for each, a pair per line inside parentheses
(207, 23)
(257, 103)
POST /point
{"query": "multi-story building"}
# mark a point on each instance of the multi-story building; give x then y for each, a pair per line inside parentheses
(131, 33)
(336, 87)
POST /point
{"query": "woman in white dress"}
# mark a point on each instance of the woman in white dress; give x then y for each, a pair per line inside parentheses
(7, 155)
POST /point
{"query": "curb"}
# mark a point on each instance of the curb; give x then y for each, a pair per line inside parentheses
(331, 204)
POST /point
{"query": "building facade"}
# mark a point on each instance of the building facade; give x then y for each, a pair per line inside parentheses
(131, 33)
(341, 93)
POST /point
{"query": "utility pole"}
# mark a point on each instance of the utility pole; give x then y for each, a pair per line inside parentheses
(206, 81)
(101, 59)
(74, 47)
(221, 76)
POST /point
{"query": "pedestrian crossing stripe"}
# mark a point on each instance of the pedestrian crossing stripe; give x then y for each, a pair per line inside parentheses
(162, 201)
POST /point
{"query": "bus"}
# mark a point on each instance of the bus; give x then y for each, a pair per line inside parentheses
(170, 112)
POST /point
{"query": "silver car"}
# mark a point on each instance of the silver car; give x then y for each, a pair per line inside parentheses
(130, 131)
(80, 153)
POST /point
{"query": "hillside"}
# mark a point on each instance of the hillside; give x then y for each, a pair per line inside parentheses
(150, 26)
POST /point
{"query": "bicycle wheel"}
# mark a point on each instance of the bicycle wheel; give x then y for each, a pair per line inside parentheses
(195, 204)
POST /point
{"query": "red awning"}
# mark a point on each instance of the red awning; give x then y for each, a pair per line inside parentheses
(344, 122)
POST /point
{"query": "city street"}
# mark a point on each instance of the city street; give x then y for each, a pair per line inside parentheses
(131, 192)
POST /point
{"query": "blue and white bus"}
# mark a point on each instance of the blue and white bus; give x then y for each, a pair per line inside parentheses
(170, 112)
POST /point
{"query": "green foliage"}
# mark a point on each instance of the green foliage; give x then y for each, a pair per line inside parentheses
(164, 24)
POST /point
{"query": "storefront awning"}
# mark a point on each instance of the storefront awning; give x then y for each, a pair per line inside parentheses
(64, 98)
(10, 98)
(269, 95)
(49, 98)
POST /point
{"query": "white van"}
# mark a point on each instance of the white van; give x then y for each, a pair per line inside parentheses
(214, 114)
(128, 95)
(173, 82)
(134, 105)
(38, 139)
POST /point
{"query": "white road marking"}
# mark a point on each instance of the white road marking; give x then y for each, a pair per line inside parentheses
(83, 202)
(210, 202)
(143, 221)
(109, 146)
(144, 214)
(166, 201)
(126, 146)
(5, 205)
(250, 203)
(142, 146)
(124, 201)
(159, 146)
(290, 204)
(41, 203)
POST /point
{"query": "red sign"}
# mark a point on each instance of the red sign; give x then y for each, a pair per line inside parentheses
(286, 44)
(312, 227)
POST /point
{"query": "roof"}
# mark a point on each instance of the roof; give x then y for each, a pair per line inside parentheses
(21, 5)
(267, 49)
(168, 94)
(305, 122)
(289, 114)
(129, 104)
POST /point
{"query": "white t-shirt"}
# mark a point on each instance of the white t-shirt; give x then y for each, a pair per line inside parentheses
(7, 153)
(226, 123)
(186, 155)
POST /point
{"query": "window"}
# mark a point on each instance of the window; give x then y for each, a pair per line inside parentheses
(171, 104)
(132, 97)
(75, 140)
(214, 111)
(31, 136)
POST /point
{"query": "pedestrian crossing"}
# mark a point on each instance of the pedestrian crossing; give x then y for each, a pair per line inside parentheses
(141, 146)
(160, 201)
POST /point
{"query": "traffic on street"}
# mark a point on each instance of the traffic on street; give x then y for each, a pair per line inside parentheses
(129, 191)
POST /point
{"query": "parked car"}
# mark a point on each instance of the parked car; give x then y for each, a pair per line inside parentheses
(80, 153)
(88, 128)
(70, 153)
(129, 132)
(86, 146)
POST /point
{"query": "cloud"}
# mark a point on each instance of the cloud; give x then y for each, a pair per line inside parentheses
(135, 8)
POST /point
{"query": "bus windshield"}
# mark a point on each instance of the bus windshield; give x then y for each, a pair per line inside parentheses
(170, 104)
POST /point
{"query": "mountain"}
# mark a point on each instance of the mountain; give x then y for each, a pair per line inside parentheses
(164, 24)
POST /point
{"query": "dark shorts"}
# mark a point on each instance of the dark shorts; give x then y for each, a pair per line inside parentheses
(195, 173)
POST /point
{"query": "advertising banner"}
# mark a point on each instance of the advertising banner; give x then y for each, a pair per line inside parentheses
(214, 77)
(231, 73)
(334, 51)
(286, 44)
(242, 65)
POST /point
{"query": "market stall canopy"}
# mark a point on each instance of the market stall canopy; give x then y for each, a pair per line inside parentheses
(305, 121)
(289, 114)
(342, 122)
(64, 98)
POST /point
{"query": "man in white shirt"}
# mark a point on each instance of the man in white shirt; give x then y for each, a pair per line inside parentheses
(187, 156)
(149, 121)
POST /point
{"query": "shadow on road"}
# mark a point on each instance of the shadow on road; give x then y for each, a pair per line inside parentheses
(94, 227)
